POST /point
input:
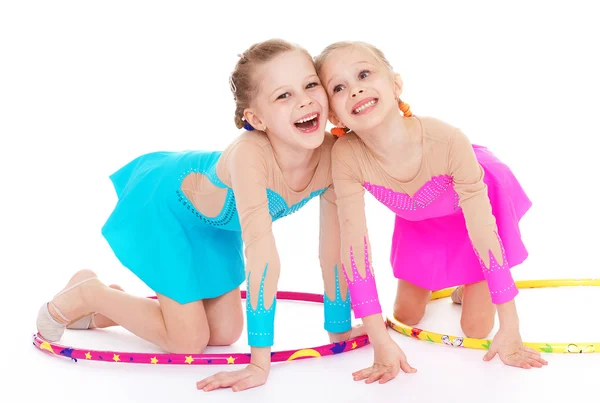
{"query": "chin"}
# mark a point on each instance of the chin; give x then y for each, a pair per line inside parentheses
(369, 124)
(312, 141)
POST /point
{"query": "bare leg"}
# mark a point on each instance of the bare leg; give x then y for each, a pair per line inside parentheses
(411, 302)
(225, 318)
(177, 328)
(478, 311)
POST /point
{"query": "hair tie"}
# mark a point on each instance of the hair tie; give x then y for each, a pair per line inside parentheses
(405, 108)
(248, 126)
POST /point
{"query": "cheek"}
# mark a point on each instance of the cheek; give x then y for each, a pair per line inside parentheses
(271, 116)
(323, 99)
(338, 106)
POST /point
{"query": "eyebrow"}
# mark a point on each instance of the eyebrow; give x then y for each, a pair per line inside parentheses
(283, 86)
(359, 62)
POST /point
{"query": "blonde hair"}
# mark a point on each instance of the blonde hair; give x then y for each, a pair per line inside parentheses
(374, 51)
(242, 80)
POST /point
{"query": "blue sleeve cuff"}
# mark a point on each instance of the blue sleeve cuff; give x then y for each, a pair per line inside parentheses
(337, 312)
(260, 321)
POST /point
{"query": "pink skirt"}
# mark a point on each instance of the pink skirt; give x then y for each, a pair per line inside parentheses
(437, 253)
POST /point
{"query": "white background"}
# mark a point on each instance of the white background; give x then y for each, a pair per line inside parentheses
(87, 86)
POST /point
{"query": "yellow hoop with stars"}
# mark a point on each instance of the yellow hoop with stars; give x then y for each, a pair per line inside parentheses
(484, 344)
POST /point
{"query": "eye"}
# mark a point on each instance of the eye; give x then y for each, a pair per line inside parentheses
(338, 88)
(312, 85)
(284, 95)
(364, 74)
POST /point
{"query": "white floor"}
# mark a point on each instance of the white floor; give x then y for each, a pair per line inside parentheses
(85, 87)
(444, 373)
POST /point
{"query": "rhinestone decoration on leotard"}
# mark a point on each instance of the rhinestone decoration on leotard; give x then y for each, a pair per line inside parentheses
(498, 276)
(224, 216)
(337, 312)
(261, 321)
(228, 210)
(278, 207)
(424, 196)
(363, 291)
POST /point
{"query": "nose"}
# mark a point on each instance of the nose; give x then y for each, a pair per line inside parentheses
(355, 93)
(306, 102)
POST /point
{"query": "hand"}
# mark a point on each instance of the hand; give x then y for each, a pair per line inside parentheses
(356, 331)
(509, 346)
(389, 359)
(243, 379)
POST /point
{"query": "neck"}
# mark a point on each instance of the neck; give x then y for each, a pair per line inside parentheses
(296, 163)
(386, 140)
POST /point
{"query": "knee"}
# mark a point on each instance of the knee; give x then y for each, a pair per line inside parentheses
(409, 314)
(477, 328)
(188, 342)
(226, 335)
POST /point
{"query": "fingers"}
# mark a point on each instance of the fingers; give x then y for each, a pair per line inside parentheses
(489, 355)
(381, 373)
(362, 374)
(536, 355)
(375, 375)
(406, 367)
(220, 380)
(388, 376)
(201, 384)
(535, 358)
(526, 358)
(247, 383)
(534, 361)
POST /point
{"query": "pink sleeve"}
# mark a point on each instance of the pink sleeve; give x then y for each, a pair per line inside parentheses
(355, 256)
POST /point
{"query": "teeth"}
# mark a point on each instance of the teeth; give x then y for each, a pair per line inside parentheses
(311, 117)
(365, 106)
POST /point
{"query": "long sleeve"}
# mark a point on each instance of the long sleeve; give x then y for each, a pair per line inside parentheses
(481, 223)
(355, 246)
(248, 173)
(336, 301)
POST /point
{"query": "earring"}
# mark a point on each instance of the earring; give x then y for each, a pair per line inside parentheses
(405, 108)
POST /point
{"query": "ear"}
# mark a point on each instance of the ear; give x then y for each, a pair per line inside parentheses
(252, 118)
(397, 85)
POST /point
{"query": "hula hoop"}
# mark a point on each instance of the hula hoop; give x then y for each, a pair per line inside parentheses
(484, 344)
(205, 359)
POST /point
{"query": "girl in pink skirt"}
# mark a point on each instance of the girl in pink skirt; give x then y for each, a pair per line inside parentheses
(457, 211)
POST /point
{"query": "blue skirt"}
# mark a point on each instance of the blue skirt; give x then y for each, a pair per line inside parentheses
(156, 232)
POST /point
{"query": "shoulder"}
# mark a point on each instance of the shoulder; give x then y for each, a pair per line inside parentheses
(248, 146)
(251, 140)
(247, 155)
(437, 129)
(343, 146)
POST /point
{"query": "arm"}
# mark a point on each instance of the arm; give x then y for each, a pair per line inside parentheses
(336, 299)
(354, 243)
(482, 229)
(248, 175)
(481, 226)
